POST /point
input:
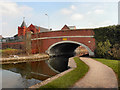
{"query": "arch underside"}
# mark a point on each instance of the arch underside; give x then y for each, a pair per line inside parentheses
(66, 48)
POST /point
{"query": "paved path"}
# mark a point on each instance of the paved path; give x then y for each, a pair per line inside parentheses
(98, 76)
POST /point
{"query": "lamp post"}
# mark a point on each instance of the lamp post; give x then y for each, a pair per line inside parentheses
(48, 21)
(23, 18)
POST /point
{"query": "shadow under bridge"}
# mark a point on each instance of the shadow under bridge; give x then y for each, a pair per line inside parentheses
(66, 48)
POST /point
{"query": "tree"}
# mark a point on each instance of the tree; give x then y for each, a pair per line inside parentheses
(107, 39)
(115, 51)
(103, 48)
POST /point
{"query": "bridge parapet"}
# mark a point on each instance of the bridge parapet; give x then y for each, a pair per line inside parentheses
(77, 32)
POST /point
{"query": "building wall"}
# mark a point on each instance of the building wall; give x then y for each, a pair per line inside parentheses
(21, 31)
(14, 45)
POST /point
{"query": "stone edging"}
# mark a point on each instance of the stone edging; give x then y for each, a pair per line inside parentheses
(23, 59)
(71, 63)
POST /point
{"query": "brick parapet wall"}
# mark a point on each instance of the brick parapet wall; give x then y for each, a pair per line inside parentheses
(77, 32)
(15, 45)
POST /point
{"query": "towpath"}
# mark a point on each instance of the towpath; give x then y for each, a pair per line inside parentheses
(98, 76)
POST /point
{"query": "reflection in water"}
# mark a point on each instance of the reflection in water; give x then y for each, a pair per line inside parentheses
(59, 63)
(23, 75)
(26, 74)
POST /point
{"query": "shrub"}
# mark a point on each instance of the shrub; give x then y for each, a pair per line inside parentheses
(103, 49)
(9, 51)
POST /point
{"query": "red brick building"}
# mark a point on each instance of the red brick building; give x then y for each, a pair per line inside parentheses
(32, 28)
(17, 42)
(65, 27)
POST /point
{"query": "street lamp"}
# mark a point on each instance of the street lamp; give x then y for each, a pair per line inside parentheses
(48, 20)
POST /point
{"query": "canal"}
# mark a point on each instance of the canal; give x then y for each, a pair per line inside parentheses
(24, 75)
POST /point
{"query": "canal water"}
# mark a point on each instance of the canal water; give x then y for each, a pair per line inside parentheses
(24, 75)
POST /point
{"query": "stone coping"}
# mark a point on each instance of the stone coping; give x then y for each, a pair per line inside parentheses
(23, 59)
(71, 64)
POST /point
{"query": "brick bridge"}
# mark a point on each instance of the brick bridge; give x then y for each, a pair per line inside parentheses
(63, 41)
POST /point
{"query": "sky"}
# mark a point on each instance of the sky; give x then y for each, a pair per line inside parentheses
(79, 14)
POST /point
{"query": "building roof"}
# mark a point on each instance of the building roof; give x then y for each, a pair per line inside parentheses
(1, 37)
(72, 27)
(41, 29)
(65, 27)
(37, 27)
(23, 24)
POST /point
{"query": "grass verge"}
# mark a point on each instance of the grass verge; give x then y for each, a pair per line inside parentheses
(69, 78)
(114, 64)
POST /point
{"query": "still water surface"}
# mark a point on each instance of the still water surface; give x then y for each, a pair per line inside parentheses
(24, 75)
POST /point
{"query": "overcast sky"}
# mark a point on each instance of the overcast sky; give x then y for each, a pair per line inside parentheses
(79, 14)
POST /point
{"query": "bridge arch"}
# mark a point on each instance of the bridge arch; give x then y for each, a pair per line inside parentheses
(63, 47)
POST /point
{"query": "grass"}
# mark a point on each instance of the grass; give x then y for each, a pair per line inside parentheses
(6, 49)
(114, 64)
(69, 78)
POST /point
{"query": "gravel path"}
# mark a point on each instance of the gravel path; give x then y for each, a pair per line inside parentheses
(98, 76)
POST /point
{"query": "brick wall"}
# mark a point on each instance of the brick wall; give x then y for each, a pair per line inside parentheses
(45, 43)
(14, 45)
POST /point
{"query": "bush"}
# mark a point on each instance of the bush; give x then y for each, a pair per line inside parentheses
(115, 51)
(9, 51)
(103, 48)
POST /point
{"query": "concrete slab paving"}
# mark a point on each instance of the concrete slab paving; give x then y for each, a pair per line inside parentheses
(98, 76)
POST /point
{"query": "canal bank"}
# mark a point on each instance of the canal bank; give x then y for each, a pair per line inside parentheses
(35, 57)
